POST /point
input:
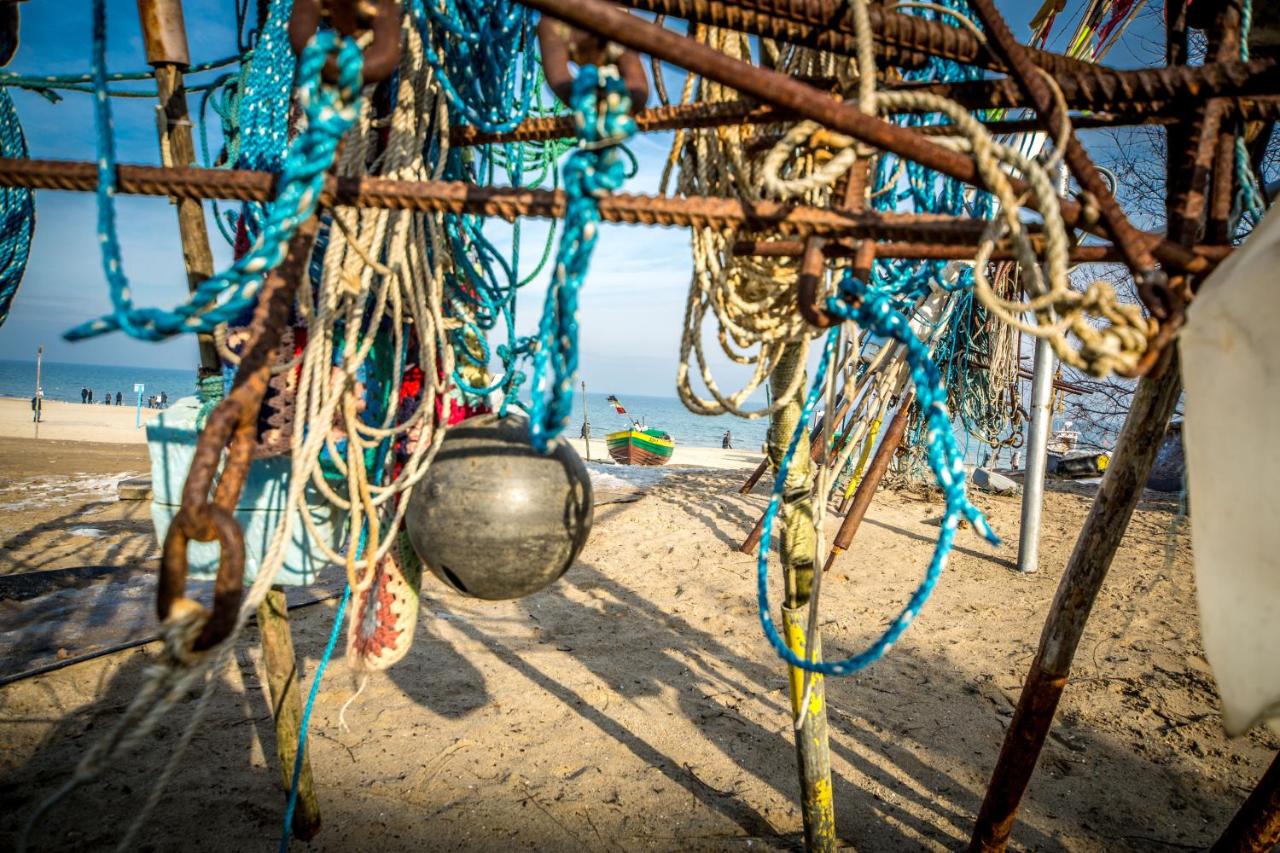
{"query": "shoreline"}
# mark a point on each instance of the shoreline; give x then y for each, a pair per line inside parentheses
(102, 424)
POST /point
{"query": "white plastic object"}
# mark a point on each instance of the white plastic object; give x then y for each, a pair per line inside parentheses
(1230, 352)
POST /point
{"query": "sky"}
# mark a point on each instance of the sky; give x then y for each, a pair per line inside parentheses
(631, 307)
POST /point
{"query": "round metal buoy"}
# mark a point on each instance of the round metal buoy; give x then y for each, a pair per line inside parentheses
(495, 519)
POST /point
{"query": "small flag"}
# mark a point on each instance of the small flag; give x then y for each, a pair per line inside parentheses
(616, 405)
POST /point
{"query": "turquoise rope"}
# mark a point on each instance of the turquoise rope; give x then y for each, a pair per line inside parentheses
(17, 211)
(330, 111)
(602, 116)
(875, 311)
(1249, 198)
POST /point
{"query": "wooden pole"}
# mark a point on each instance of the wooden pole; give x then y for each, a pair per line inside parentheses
(875, 474)
(1153, 403)
(798, 552)
(282, 680)
(165, 39)
(1256, 827)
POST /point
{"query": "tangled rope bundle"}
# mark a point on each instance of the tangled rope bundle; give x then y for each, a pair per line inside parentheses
(752, 301)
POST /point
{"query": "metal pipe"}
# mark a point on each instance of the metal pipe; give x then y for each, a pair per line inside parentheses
(1256, 827)
(1122, 485)
(1042, 369)
(1037, 456)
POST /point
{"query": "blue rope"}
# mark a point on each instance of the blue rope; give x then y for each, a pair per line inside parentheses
(1249, 197)
(876, 312)
(482, 53)
(602, 117)
(329, 109)
(17, 211)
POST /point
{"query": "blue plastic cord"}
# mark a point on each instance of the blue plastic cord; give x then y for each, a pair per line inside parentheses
(17, 211)
(876, 312)
(602, 117)
(329, 109)
(482, 53)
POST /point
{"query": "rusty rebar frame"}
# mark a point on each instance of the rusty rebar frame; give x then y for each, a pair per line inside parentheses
(1132, 97)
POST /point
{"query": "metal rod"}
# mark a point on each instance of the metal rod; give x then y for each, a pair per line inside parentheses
(507, 203)
(37, 401)
(1140, 438)
(1123, 97)
(1256, 827)
(871, 480)
(828, 25)
(1042, 369)
(609, 21)
(586, 421)
(1037, 456)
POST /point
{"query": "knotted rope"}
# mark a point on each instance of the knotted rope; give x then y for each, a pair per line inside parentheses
(602, 119)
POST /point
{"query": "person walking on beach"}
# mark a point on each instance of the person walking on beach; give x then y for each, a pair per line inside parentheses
(108, 400)
(88, 395)
(36, 405)
(164, 399)
(119, 398)
(727, 441)
(84, 395)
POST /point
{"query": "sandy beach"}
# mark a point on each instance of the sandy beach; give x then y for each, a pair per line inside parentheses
(115, 425)
(634, 704)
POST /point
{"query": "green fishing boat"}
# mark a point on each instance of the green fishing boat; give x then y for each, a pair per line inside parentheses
(637, 446)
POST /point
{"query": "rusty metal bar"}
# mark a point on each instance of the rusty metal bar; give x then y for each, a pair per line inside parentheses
(844, 248)
(507, 203)
(611, 22)
(1138, 96)
(828, 25)
(1256, 827)
(913, 251)
(1152, 283)
(871, 479)
(1099, 538)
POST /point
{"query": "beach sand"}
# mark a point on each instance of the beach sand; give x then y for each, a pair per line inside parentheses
(115, 425)
(635, 703)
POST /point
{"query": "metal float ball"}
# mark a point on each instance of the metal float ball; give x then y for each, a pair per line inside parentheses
(495, 519)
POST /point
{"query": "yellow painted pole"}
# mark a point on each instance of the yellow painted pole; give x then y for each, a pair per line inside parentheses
(798, 553)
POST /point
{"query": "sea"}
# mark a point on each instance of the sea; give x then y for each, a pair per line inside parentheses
(63, 381)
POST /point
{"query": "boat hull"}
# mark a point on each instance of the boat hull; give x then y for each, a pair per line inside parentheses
(639, 447)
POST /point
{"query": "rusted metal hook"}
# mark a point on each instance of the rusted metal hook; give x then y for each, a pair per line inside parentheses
(233, 427)
(380, 18)
(561, 44)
